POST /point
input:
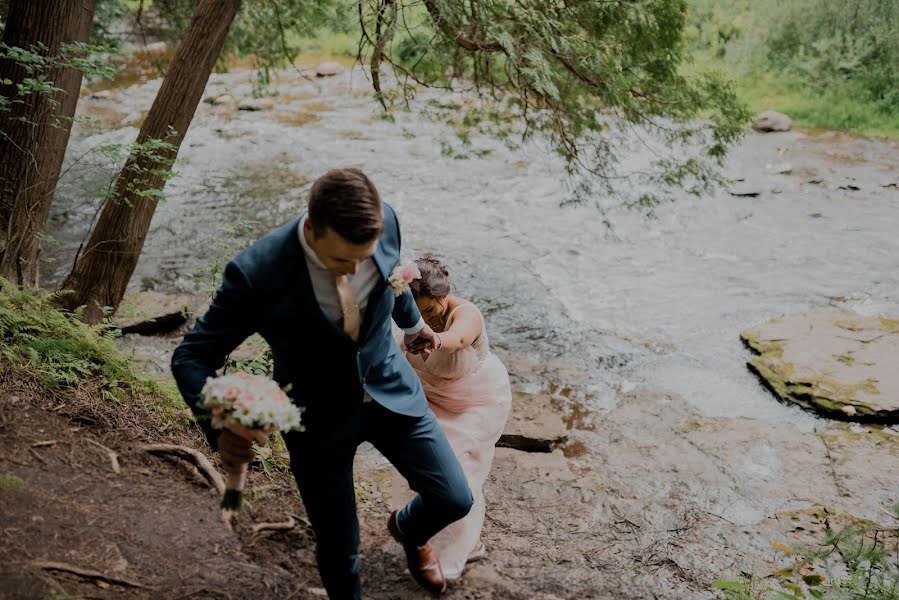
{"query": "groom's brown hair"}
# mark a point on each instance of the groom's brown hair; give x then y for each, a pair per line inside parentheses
(348, 202)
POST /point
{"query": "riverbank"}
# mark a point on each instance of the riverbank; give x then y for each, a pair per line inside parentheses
(678, 469)
(653, 500)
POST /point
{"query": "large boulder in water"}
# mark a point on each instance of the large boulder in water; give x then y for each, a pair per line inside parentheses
(224, 100)
(151, 313)
(328, 69)
(834, 362)
(772, 121)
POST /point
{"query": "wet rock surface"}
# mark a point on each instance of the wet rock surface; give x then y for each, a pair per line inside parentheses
(745, 190)
(838, 363)
(151, 313)
(533, 425)
(328, 69)
(664, 502)
(772, 121)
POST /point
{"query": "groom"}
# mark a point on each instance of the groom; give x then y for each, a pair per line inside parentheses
(317, 290)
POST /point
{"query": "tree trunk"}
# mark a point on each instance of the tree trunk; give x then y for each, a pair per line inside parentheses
(34, 133)
(101, 274)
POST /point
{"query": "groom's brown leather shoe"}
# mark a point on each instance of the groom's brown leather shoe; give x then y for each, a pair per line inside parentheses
(423, 563)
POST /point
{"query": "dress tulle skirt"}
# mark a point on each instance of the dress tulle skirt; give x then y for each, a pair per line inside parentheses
(472, 411)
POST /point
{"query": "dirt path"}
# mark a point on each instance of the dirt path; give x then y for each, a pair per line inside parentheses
(153, 529)
(663, 503)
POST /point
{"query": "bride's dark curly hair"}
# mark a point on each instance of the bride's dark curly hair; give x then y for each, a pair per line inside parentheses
(434, 282)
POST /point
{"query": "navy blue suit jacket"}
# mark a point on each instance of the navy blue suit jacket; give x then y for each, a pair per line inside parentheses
(266, 289)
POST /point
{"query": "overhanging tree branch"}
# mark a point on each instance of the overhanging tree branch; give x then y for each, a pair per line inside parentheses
(448, 29)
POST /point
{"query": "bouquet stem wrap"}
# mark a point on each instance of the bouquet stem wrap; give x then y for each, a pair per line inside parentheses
(235, 483)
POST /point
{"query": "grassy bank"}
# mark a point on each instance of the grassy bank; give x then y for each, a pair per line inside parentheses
(827, 65)
(53, 352)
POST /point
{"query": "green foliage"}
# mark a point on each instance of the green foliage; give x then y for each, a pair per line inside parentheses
(108, 14)
(270, 457)
(233, 238)
(825, 63)
(831, 45)
(272, 33)
(587, 75)
(60, 352)
(147, 162)
(866, 557)
(37, 62)
(259, 362)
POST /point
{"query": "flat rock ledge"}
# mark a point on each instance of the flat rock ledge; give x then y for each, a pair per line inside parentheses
(533, 426)
(837, 363)
(154, 313)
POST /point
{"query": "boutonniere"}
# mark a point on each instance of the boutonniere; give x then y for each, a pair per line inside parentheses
(402, 276)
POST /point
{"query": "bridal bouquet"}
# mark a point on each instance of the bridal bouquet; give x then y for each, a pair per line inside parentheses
(250, 401)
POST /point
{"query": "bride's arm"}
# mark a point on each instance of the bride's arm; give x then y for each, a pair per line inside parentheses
(466, 328)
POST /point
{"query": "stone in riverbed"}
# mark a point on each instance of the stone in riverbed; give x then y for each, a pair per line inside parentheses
(257, 104)
(328, 69)
(533, 426)
(150, 313)
(835, 362)
(744, 190)
(772, 121)
(781, 168)
(221, 100)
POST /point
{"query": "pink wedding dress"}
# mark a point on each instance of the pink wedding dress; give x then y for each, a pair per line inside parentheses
(470, 394)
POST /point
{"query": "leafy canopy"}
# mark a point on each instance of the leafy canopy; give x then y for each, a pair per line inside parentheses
(592, 75)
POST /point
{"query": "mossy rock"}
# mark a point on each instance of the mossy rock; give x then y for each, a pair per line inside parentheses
(151, 313)
(837, 363)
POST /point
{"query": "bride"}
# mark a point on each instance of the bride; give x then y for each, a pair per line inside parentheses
(468, 389)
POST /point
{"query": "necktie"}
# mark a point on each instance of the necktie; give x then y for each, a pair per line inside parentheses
(349, 307)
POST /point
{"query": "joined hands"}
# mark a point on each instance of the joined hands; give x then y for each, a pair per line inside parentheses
(423, 342)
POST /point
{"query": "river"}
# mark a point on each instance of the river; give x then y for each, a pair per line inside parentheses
(623, 298)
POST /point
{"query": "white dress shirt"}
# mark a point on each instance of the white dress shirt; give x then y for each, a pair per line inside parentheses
(323, 285)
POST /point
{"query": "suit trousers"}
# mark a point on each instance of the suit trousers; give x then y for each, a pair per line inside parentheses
(321, 459)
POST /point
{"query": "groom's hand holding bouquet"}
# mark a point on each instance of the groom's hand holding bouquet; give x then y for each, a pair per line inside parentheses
(247, 408)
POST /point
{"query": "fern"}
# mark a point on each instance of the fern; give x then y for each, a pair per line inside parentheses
(59, 351)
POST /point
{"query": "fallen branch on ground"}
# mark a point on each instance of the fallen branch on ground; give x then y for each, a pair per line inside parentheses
(55, 566)
(202, 463)
(113, 456)
(290, 523)
(37, 456)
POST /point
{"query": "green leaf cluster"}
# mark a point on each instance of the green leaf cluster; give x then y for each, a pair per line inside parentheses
(865, 557)
(54, 348)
